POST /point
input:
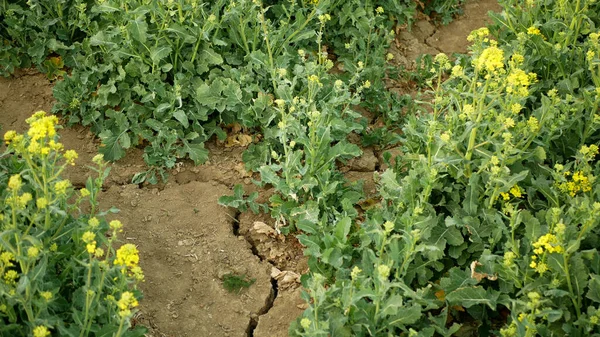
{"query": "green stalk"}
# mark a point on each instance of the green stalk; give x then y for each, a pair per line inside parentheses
(574, 299)
(87, 297)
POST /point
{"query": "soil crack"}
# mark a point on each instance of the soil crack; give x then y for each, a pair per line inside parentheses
(269, 302)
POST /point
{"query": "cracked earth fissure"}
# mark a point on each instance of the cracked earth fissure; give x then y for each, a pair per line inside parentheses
(254, 318)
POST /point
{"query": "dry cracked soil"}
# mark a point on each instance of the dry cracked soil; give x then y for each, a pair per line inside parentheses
(187, 242)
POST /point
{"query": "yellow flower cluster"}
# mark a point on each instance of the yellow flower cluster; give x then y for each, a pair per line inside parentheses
(315, 79)
(42, 130)
(128, 256)
(40, 331)
(509, 258)
(515, 191)
(533, 31)
(546, 243)
(10, 277)
(490, 60)
(579, 183)
(61, 186)
(589, 152)
(17, 201)
(89, 239)
(478, 34)
(126, 303)
(41, 126)
(518, 81)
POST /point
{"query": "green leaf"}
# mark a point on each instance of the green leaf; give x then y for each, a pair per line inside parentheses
(182, 118)
(470, 296)
(342, 228)
(333, 256)
(471, 201)
(391, 305)
(100, 39)
(112, 148)
(211, 57)
(457, 278)
(196, 152)
(138, 29)
(159, 53)
(454, 237)
(407, 315)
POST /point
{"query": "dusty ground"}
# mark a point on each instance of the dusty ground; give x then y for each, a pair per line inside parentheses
(187, 241)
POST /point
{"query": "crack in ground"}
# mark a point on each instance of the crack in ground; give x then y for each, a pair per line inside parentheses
(235, 227)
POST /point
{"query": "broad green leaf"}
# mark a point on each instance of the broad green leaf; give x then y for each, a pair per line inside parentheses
(471, 201)
(182, 32)
(159, 53)
(342, 228)
(154, 124)
(333, 256)
(205, 96)
(268, 175)
(457, 278)
(196, 152)
(100, 39)
(470, 296)
(454, 236)
(406, 315)
(211, 57)
(182, 118)
(138, 29)
(391, 305)
(111, 147)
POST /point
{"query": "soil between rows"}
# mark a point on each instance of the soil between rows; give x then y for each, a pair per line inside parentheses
(187, 241)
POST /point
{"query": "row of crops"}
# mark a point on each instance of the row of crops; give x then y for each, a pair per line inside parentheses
(488, 220)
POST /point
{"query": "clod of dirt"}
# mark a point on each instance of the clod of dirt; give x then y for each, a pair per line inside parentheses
(367, 162)
(394, 153)
(287, 307)
(369, 186)
(285, 253)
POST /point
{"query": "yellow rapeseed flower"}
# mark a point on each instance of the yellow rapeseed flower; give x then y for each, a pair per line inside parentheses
(54, 145)
(70, 156)
(516, 108)
(126, 303)
(509, 123)
(127, 256)
(10, 277)
(491, 60)
(41, 203)
(9, 136)
(516, 191)
(61, 186)
(88, 237)
(46, 295)
(533, 31)
(478, 34)
(33, 252)
(98, 159)
(533, 124)
(93, 222)
(383, 271)
(15, 182)
(84, 192)
(116, 225)
(40, 331)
